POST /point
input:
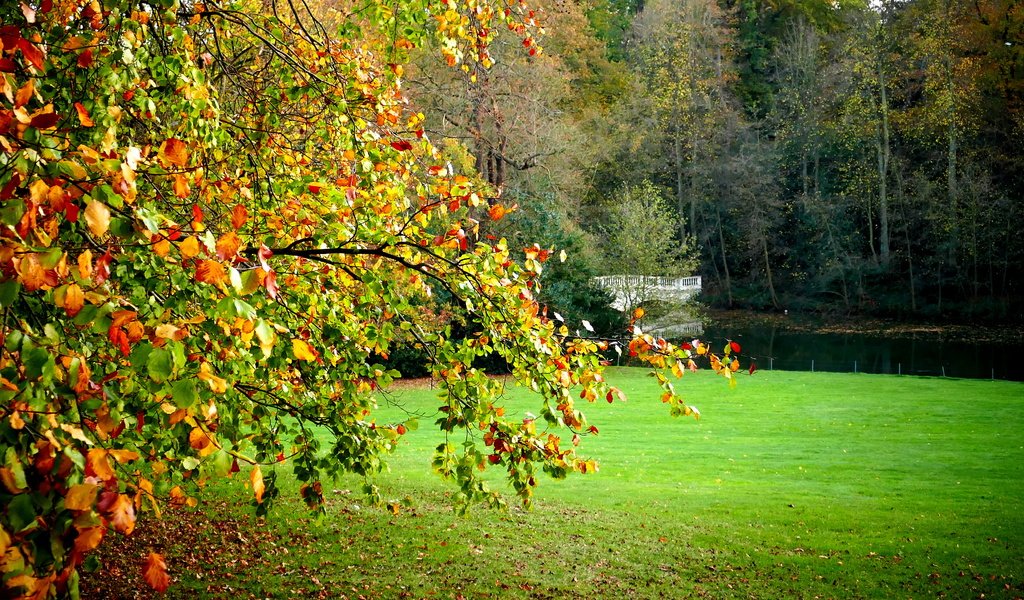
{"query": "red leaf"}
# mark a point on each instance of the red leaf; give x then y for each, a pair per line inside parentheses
(270, 282)
(44, 120)
(753, 367)
(31, 53)
(71, 212)
(85, 59)
(154, 571)
(264, 254)
(234, 466)
(735, 346)
(7, 65)
(401, 145)
(102, 268)
(10, 35)
(197, 214)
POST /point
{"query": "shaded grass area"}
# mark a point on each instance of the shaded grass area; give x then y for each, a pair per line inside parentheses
(792, 485)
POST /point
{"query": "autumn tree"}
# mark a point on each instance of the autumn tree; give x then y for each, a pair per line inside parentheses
(217, 219)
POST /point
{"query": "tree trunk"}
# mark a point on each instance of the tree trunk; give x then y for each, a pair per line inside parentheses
(725, 256)
(883, 169)
(768, 272)
(678, 157)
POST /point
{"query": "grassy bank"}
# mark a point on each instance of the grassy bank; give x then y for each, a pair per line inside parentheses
(791, 485)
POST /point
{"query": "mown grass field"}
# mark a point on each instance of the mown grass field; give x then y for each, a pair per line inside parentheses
(792, 485)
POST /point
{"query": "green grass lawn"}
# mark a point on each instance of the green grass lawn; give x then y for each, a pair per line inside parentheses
(792, 485)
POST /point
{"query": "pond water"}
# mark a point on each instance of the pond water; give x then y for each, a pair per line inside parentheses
(776, 347)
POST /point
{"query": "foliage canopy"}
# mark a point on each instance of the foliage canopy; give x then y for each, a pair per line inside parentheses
(217, 218)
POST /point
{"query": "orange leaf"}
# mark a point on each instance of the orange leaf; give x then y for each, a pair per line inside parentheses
(74, 299)
(189, 247)
(496, 212)
(33, 275)
(256, 478)
(81, 496)
(211, 271)
(154, 571)
(83, 115)
(180, 185)
(302, 350)
(89, 538)
(96, 460)
(174, 152)
(85, 264)
(238, 216)
(227, 245)
(162, 248)
(122, 514)
(24, 93)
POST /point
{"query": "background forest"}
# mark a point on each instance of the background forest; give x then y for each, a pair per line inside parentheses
(833, 156)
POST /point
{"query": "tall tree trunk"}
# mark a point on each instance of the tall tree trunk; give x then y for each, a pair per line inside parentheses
(883, 169)
(768, 271)
(678, 159)
(725, 256)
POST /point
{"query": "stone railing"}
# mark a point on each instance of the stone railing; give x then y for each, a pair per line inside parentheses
(630, 288)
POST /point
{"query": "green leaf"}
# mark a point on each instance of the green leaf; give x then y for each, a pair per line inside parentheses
(21, 513)
(9, 293)
(159, 365)
(184, 393)
(12, 211)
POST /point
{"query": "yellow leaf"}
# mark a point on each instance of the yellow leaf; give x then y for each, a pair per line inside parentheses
(217, 384)
(146, 490)
(189, 247)
(123, 456)
(201, 441)
(302, 350)
(97, 217)
(256, 478)
(81, 496)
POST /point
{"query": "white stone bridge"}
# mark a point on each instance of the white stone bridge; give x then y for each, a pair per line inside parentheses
(632, 290)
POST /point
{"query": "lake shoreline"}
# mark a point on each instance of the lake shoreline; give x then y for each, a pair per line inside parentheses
(874, 326)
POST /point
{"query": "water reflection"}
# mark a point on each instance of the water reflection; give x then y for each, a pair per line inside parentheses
(775, 347)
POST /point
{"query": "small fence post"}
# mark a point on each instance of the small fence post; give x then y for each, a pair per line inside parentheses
(899, 368)
(993, 374)
(771, 363)
(943, 370)
(812, 365)
(854, 366)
